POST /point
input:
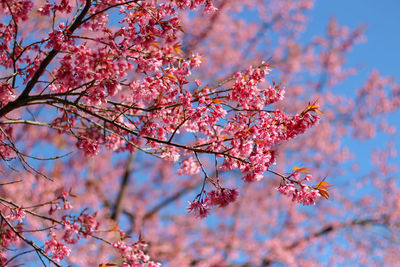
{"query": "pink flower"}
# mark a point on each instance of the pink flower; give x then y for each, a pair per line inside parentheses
(133, 255)
(57, 88)
(89, 224)
(67, 205)
(58, 250)
(189, 167)
(170, 153)
(200, 207)
(8, 237)
(65, 194)
(16, 214)
(287, 190)
(3, 258)
(210, 8)
(89, 147)
(195, 61)
(71, 229)
(6, 94)
(222, 197)
(306, 195)
(45, 10)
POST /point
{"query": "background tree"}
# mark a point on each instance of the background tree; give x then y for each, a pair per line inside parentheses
(93, 92)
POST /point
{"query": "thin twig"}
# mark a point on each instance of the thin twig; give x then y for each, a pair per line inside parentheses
(29, 242)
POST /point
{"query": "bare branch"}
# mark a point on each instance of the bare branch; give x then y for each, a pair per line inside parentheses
(29, 242)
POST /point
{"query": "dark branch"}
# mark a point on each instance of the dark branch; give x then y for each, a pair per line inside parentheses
(326, 230)
(29, 86)
(123, 188)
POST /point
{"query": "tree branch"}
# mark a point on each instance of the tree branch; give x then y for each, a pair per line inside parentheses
(326, 230)
(29, 242)
(122, 189)
(168, 200)
(29, 86)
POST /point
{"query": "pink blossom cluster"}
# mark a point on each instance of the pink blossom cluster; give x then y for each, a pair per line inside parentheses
(71, 231)
(61, 203)
(256, 143)
(88, 223)
(16, 214)
(62, 6)
(200, 207)
(170, 153)
(221, 197)
(8, 236)
(20, 9)
(6, 93)
(189, 167)
(3, 258)
(133, 255)
(298, 124)
(7, 37)
(89, 142)
(58, 250)
(248, 95)
(192, 4)
(89, 147)
(75, 228)
(59, 40)
(65, 121)
(6, 151)
(306, 195)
